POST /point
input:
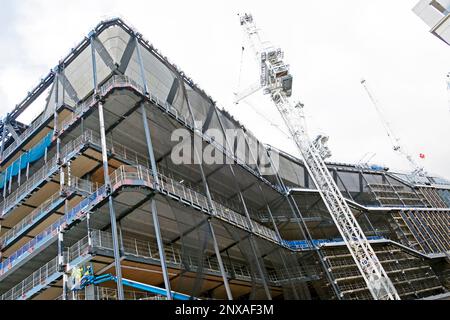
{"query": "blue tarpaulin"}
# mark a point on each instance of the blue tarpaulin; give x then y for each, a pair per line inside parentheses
(32, 155)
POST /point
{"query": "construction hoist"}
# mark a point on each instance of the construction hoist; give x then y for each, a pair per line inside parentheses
(276, 81)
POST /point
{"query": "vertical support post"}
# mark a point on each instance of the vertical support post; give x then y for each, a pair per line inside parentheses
(219, 260)
(112, 213)
(208, 196)
(89, 232)
(304, 229)
(19, 177)
(2, 147)
(154, 169)
(319, 253)
(65, 289)
(253, 245)
(55, 111)
(150, 150)
(162, 254)
(122, 248)
(141, 65)
(61, 262)
(5, 182)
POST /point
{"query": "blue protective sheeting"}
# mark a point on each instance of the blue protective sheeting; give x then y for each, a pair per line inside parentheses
(303, 244)
(34, 154)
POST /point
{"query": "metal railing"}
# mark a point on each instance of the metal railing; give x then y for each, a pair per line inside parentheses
(30, 130)
(37, 214)
(52, 231)
(121, 81)
(102, 293)
(174, 256)
(47, 273)
(118, 176)
(47, 170)
(145, 249)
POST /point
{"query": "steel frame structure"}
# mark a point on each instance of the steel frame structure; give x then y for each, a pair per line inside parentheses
(125, 208)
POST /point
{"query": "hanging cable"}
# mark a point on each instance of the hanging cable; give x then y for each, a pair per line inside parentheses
(240, 69)
(277, 126)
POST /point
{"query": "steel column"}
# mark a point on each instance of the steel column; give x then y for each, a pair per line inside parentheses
(61, 262)
(219, 260)
(208, 196)
(112, 213)
(141, 65)
(2, 147)
(253, 245)
(150, 150)
(162, 254)
(154, 169)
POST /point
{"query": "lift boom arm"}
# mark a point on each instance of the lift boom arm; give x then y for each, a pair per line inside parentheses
(277, 82)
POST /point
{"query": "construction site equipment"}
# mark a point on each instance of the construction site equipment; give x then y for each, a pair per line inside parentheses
(276, 81)
(395, 140)
(90, 279)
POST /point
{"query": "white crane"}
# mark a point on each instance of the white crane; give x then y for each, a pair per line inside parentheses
(418, 171)
(276, 81)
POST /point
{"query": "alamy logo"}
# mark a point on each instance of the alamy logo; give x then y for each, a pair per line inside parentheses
(190, 149)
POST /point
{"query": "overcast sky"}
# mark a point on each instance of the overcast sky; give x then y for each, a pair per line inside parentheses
(329, 44)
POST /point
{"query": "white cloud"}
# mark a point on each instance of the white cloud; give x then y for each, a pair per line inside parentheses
(329, 44)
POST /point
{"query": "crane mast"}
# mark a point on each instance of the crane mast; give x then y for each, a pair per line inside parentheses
(396, 144)
(276, 81)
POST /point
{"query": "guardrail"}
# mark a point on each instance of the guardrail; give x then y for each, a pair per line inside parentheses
(121, 81)
(47, 170)
(102, 293)
(173, 254)
(117, 177)
(48, 273)
(40, 212)
(28, 132)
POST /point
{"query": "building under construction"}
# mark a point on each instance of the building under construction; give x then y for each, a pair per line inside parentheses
(95, 207)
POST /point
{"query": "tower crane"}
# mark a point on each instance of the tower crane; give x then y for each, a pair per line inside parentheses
(418, 171)
(276, 82)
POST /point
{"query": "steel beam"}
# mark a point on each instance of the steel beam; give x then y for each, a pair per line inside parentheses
(112, 213)
(141, 65)
(253, 244)
(219, 260)
(104, 54)
(2, 146)
(162, 254)
(154, 169)
(127, 54)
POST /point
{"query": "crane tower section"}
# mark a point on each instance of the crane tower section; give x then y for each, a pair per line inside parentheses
(276, 81)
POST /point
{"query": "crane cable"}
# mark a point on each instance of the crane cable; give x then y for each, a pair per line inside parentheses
(251, 105)
(273, 124)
